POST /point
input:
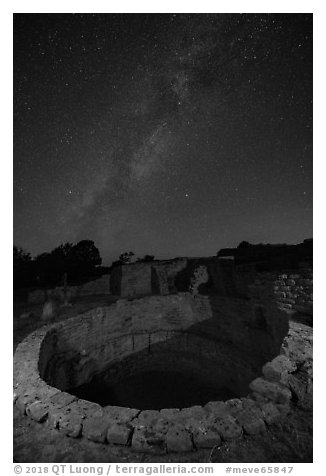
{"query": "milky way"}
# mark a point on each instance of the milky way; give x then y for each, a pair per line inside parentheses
(172, 135)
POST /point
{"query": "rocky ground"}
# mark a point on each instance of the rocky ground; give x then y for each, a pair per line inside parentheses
(288, 442)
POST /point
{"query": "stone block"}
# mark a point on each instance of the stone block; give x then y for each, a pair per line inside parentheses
(119, 434)
(233, 406)
(62, 399)
(206, 438)
(22, 401)
(251, 419)
(38, 411)
(169, 413)
(147, 418)
(54, 417)
(273, 391)
(278, 369)
(147, 440)
(301, 385)
(196, 412)
(87, 409)
(178, 440)
(71, 425)
(95, 428)
(228, 428)
(283, 408)
(270, 413)
(120, 414)
(217, 408)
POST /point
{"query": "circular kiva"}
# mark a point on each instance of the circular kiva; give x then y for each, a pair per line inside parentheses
(221, 339)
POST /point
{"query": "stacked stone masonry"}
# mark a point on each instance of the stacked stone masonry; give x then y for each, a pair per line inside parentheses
(107, 335)
(292, 290)
(98, 286)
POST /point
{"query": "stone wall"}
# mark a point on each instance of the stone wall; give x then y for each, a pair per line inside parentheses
(171, 276)
(223, 335)
(292, 290)
(164, 273)
(295, 291)
(98, 286)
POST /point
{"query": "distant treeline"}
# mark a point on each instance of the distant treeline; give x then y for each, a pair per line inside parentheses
(270, 256)
(69, 263)
(73, 262)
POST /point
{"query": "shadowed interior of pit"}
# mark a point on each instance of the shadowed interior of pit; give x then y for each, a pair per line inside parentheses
(152, 390)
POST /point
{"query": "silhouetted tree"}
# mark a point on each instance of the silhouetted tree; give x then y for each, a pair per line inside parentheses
(78, 262)
(22, 267)
(146, 258)
(86, 252)
(125, 258)
(21, 256)
(244, 244)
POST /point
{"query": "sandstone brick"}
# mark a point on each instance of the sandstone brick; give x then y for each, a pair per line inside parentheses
(278, 369)
(216, 408)
(120, 414)
(301, 385)
(270, 412)
(147, 440)
(283, 408)
(95, 428)
(71, 425)
(148, 417)
(206, 438)
(62, 399)
(169, 413)
(233, 406)
(178, 440)
(228, 428)
(251, 419)
(37, 411)
(119, 434)
(196, 412)
(273, 391)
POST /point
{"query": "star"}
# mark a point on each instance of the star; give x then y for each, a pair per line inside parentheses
(117, 117)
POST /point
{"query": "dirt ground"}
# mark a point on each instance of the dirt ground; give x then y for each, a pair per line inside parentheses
(289, 442)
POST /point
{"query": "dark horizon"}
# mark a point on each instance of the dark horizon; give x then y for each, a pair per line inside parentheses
(165, 134)
(169, 258)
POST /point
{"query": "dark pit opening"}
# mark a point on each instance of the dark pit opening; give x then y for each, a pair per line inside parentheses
(210, 359)
(152, 390)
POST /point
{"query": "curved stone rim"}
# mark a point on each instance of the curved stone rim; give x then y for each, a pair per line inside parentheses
(154, 431)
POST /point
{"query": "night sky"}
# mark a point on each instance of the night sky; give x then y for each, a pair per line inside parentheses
(165, 134)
